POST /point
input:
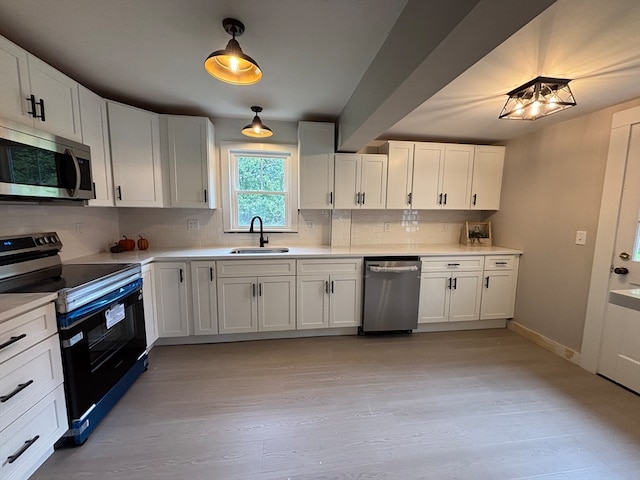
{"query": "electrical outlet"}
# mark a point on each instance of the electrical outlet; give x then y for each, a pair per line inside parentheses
(581, 237)
(387, 226)
(79, 229)
(193, 225)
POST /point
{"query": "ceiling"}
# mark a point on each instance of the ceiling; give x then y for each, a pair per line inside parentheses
(403, 69)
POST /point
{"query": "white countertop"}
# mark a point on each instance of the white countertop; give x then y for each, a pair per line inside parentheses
(222, 253)
(626, 298)
(14, 304)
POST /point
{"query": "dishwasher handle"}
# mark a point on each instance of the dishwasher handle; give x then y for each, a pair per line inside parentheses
(379, 269)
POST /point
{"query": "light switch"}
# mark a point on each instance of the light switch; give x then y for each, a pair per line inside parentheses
(581, 237)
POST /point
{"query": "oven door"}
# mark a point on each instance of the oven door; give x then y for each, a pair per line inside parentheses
(100, 343)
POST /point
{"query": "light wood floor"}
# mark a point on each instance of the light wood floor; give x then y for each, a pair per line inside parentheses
(457, 405)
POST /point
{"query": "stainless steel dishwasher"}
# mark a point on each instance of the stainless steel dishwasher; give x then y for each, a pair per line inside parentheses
(391, 294)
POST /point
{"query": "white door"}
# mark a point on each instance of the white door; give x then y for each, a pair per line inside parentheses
(344, 301)
(456, 182)
(486, 183)
(149, 304)
(497, 294)
(620, 349)
(171, 299)
(347, 180)
(466, 289)
(316, 147)
(276, 303)
(400, 175)
(203, 291)
(313, 301)
(14, 83)
(434, 297)
(374, 182)
(428, 165)
(237, 305)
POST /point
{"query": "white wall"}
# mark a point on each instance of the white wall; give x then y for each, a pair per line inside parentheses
(552, 186)
(83, 230)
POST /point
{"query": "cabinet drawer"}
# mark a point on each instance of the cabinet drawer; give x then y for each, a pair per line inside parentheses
(255, 268)
(41, 426)
(29, 376)
(26, 330)
(499, 262)
(439, 264)
(313, 267)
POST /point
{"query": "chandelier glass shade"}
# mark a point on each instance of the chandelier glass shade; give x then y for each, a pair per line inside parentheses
(540, 97)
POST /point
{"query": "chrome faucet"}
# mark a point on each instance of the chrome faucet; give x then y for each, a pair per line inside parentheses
(262, 239)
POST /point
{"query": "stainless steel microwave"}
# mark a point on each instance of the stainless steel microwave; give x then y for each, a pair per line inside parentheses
(37, 165)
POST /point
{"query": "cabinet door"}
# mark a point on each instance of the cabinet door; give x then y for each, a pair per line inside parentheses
(428, 169)
(347, 180)
(399, 174)
(276, 303)
(312, 293)
(237, 305)
(498, 295)
(374, 182)
(14, 83)
(316, 146)
(190, 150)
(466, 290)
(345, 301)
(486, 183)
(149, 304)
(203, 293)
(95, 133)
(135, 156)
(456, 180)
(171, 295)
(60, 96)
(434, 297)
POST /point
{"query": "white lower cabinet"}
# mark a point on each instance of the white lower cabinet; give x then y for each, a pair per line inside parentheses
(450, 289)
(34, 412)
(172, 312)
(256, 296)
(204, 298)
(329, 293)
(499, 287)
(149, 304)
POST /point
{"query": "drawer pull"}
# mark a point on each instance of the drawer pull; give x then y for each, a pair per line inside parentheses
(12, 340)
(453, 264)
(502, 263)
(23, 448)
(17, 390)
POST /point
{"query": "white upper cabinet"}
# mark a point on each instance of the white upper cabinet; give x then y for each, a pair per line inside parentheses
(456, 177)
(360, 181)
(191, 155)
(135, 156)
(424, 175)
(316, 146)
(486, 184)
(36, 94)
(95, 133)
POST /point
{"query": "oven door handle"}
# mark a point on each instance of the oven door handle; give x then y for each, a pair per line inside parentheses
(73, 192)
(69, 320)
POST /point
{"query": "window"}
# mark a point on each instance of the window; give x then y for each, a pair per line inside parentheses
(262, 181)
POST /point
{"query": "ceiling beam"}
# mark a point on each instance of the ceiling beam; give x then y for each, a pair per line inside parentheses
(429, 46)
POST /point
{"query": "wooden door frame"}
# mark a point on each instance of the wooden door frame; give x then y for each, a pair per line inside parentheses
(606, 236)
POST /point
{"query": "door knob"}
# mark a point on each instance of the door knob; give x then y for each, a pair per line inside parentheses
(621, 270)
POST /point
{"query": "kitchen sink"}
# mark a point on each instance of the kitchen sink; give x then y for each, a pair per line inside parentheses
(252, 250)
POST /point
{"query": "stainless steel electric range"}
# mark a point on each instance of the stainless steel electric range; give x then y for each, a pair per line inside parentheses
(100, 323)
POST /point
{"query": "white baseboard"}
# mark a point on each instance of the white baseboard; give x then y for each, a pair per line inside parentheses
(544, 342)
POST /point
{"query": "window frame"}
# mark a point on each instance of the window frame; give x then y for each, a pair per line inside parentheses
(229, 151)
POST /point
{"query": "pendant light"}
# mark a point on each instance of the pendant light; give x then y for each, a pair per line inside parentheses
(231, 65)
(540, 97)
(256, 128)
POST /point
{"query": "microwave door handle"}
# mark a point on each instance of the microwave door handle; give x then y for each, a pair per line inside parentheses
(76, 164)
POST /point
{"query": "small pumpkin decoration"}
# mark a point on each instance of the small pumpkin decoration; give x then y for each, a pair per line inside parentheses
(127, 243)
(116, 248)
(143, 243)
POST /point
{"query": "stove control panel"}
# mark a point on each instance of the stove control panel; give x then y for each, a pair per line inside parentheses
(29, 243)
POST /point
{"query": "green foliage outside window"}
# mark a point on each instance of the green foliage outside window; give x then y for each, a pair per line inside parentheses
(261, 190)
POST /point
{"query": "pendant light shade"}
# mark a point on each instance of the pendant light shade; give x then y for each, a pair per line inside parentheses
(540, 97)
(231, 65)
(256, 128)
